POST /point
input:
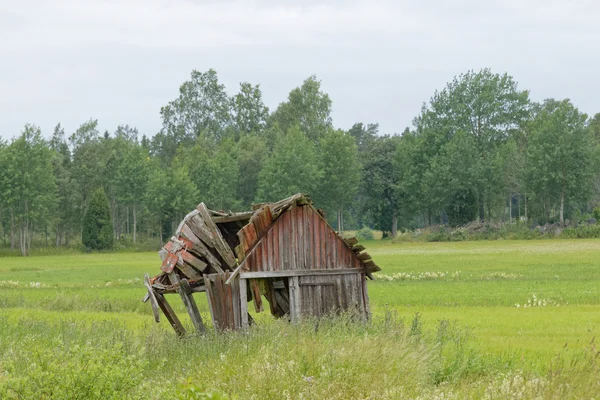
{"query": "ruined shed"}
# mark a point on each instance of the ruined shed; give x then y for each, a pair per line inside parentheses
(283, 252)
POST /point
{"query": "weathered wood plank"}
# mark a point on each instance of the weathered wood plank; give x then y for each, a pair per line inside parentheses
(185, 292)
(243, 303)
(200, 249)
(295, 307)
(300, 272)
(358, 248)
(370, 266)
(200, 230)
(242, 216)
(152, 298)
(250, 237)
(210, 300)
(317, 284)
(169, 263)
(240, 253)
(364, 256)
(170, 314)
(221, 246)
(351, 241)
(188, 271)
(185, 220)
(282, 300)
(365, 294)
(192, 260)
(255, 289)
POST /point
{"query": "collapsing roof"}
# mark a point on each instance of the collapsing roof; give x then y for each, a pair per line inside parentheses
(284, 251)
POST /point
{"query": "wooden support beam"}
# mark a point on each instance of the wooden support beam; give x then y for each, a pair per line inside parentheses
(365, 295)
(170, 314)
(185, 291)
(295, 306)
(235, 301)
(256, 298)
(243, 304)
(243, 216)
(152, 297)
(300, 272)
(209, 298)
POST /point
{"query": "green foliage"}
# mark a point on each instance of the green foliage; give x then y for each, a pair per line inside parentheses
(365, 233)
(338, 159)
(250, 112)
(364, 135)
(28, 184)
(380, 180)
(560, 155)
(292, 168)
(97, 223)
(308, 108)
(170, 193)
(582, 231)
(202, 108)
(250, 161)
(479, 150)
(596, 214)
(486, 109)
(214, 173)
(452, 180)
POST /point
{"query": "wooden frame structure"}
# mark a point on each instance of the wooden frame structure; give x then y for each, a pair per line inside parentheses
(285, 252)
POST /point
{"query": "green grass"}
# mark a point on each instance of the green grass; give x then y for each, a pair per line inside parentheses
(446, 325)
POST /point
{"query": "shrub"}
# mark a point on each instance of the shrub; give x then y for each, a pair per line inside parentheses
(97, 224)
(582, 232)
(365, 233)
(596, 214)
(440, 236)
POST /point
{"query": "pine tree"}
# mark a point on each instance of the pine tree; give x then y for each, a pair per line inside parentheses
(97, 224)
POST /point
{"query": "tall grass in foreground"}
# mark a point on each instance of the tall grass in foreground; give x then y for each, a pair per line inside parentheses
(332, 358)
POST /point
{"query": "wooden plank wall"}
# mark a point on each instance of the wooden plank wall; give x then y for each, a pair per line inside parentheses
(224, 301)
(300, 239)
(326, 294)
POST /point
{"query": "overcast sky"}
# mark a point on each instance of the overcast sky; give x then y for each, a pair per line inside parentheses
(120, 61)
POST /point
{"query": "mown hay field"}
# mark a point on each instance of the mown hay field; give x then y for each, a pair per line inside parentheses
(502, 319)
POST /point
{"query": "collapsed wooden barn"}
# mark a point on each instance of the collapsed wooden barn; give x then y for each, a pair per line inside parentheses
(285, 252)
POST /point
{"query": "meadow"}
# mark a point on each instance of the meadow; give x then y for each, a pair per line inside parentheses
(497, 319)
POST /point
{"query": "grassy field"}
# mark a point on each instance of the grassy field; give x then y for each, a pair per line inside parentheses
(502, 319)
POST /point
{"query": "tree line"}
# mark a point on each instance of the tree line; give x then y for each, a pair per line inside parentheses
(479, 149)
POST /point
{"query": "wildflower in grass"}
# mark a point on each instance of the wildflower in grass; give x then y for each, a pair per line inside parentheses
(500, 276)
(533, 301)
(421, 276)
(9, 284)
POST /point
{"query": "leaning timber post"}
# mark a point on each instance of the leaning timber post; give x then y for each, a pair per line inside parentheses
(243, 303)
(170, 314)
(185, 291)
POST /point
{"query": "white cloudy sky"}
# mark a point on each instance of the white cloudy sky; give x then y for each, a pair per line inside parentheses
(121, 60)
